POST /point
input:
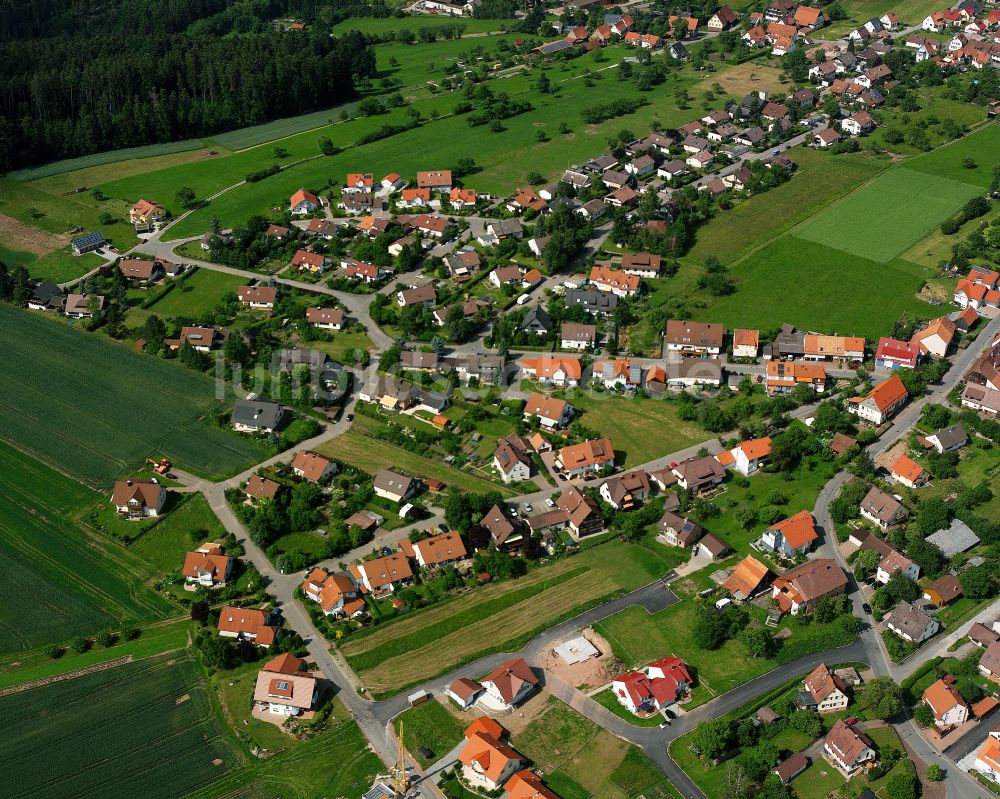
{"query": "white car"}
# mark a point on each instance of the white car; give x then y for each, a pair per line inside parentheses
(527, 507)
(550, 503)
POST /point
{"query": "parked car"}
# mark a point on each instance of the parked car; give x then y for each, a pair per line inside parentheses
(443, 527)
(550, 503)
(527, 507)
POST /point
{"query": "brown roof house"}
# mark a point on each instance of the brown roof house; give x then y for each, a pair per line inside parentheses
(882, 509)
(693, 338)
(312, 466)
(799, 589)
(439, 550)
(626, 491)
(285, 688)
(848, 749)
(698, 474)
(508, 685)
(247, 624)
(676, 531)
(207, 566)
(504, 533)
(825, 692)
(383, 574)
(139, 499)
(943, 591)
(748, 578)
(259, 488)
(394, 486)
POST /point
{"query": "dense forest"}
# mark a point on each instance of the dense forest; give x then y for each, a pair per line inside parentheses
(78, 77)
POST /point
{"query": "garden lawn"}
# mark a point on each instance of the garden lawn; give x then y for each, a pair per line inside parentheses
(60, 580)
(818, 288)
(196, 295)
(888, 215)
(607, 699)
(820, 179)
(151, 722)
(97, 409)
(432, 726)
(235, 689)
(62, 266)
(818, 781)
(190, 524)
(642, 428)
(370, 454)
(983, 147)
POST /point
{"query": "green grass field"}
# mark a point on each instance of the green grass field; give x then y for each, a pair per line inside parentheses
(57, 214)
(148, 723)
(983, 147)
(910, 12)
(888, 215)
(96, 409)
(196, 295)
(643, 429)
(62, 266)
(430, 725)
(818, 288)
(819, 180)
(59, 579)
(14, 257)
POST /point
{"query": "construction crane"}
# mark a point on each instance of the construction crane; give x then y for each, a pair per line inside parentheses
(402, 781)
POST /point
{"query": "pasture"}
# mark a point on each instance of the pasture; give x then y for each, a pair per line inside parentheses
(495, 617)
(96, 409)
(60, 580)
(389, 25)
(888, 215)
(147, 723)
(196, 295)
(983, 147)
(57, 214)
(107, 157)
(818, 288)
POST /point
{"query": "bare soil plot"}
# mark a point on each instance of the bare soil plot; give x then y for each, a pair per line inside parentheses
(19, 236)
(741, 80)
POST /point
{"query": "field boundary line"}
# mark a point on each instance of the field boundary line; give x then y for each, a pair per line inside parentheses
(69, 675)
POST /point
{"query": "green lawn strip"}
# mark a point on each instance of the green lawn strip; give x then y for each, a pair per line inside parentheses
(151, 720)
(920, 202)
(103, 421)
(449, 624)
(607, 699)
(431, 726)
(36, 665)
(823, 289)
(819, 180)
(60, 579)
(197, 295)
(818, 781)
(15, 257)
(380, 27)
(370, 454)
(62, 266)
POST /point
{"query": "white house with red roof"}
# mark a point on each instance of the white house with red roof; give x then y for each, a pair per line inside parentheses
(207, 566)
(285, 688)
(895, 354)
(893, 562)
(881, 403)
(660, 684)
(508, 684)
(792, 536)
(303, 202)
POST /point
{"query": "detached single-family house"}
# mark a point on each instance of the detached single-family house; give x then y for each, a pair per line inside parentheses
(556, 370)
(574, 336)
(748, 578)
(312, 466)
(943, 591)
(285, 688)
(848, 749)
(394, 486)
(746, 343)
(896, 354)
(826, 692)
(441, 550)
(509, 684)
(626, 491)
(893, 562)
(937, 337)
(247, 624)
(693, 338)
(882, 509)
(881, 403)
(676, 531)
(258, 298)
(947, 704)
(383, 574)
(799, 589)
(908, 472)
(325, 318)
(303, 202)
(792, 536)
(699, 474)
(487, 762)
(256, 416)
(552, 412)
(586, 458)
(513, 459)
(207, 566)
(139, 499)
(948, 439)
(911, 623)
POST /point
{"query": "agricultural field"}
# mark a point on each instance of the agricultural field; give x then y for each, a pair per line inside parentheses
(495, 617)
(818, 288)
(820, 180)
(78, 404)
(150, 720)
(642, 428)
(910, 12)
(197, 295)
(917, 202)
(118, 157)
(61, 580)
(579, 759)
(333, 764)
